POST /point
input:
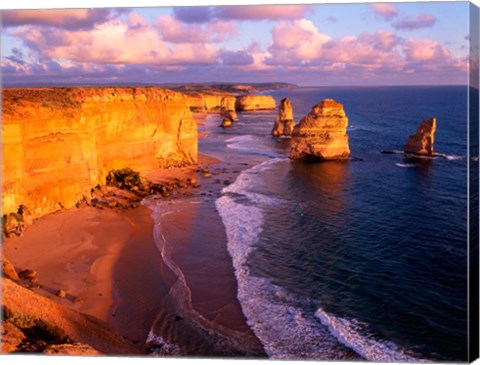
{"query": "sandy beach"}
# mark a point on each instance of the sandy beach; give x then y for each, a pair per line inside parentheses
(107, 261)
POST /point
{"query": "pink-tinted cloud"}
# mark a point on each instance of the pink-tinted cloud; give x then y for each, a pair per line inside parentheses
(62, 18)
(421, 21)
(367, 49)
(115, 42)
(298, 41)
(424, 50)
(260, 12)
(386, 11)
(175, 31)
(204, 14)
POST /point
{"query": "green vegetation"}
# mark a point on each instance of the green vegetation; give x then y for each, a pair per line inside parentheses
(124, 178)
(35, 329)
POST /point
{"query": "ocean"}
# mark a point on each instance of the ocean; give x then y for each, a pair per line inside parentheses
(359, 259)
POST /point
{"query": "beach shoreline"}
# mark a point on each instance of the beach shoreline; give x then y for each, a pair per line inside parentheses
(107, 262)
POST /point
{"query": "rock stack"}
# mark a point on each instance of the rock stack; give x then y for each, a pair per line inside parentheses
(284, 124)
(227, 111)
(255, 102)
(322, 134)
(421, 143)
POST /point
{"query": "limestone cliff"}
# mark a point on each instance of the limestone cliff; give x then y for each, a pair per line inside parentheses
(227, 109)
(255, 102)
(321, 135)
(284, 123)
(206, 102)
(58, 143)
(421, 143)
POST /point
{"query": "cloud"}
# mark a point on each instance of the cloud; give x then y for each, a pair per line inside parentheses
(72, 19)
(115, 42)
(421, 21)
(367, 49)
(424, 50)
(204, 14)
(295, 42)
(193, 14)
(175, 31)
(261, 12)
(332, 19)
(386, 11)
(235, 57)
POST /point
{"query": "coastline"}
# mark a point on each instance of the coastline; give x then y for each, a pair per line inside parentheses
(107, 262)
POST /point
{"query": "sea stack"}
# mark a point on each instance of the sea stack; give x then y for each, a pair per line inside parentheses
(322, 134)
(254, 102)
(284, 124)
(227, 108)
(421, 143)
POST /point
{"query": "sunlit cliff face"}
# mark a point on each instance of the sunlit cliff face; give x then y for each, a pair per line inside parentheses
(59, 143)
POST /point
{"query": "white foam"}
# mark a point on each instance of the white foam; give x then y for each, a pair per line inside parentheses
(160, 347)
(406, 165)
(283, 322)
(453, 157)
(284, 330)
(251, 144)
(354, 334)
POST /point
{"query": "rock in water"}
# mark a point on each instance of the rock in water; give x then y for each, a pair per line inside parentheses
(284, 124)
(322, 134)
(421, 143)
(255, 102)
(226, 123)
(227, 109)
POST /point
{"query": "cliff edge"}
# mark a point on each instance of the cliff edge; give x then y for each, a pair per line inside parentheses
(58, 143)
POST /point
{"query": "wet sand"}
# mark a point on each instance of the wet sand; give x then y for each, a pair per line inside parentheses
(108, 263)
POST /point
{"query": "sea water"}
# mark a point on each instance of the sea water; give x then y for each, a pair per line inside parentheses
(364, 258)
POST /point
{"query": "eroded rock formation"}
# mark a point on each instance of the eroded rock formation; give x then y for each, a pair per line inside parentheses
(421, 143)
(206, 102)
(284, 123)
(255, 102)
(322, 134)
(227, 109)
(58, 143)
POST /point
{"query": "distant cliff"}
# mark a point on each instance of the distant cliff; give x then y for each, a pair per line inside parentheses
(60, 142)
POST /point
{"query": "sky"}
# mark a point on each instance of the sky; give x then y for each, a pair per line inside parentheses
(308, 45)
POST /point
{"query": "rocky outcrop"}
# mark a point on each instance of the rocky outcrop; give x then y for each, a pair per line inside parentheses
(321, 135)
(32, 323)
(421, 143)
(8, 270)
(255, 102)
(227, 109)
(58, 143)
(284, 123)
(206, 102)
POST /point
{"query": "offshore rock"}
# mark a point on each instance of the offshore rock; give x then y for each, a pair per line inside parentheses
(322, 134)
(421, 143)
(255, 102)
(226, 123)
(227, 109)
(284, 123)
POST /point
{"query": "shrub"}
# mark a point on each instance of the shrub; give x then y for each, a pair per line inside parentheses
(123, 178)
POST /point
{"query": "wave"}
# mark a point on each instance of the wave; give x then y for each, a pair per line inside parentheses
(405, 165)
(289, 326)
(251, 144)
(354, 334)
(454, 157)
(274, 315)
(222, 340)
